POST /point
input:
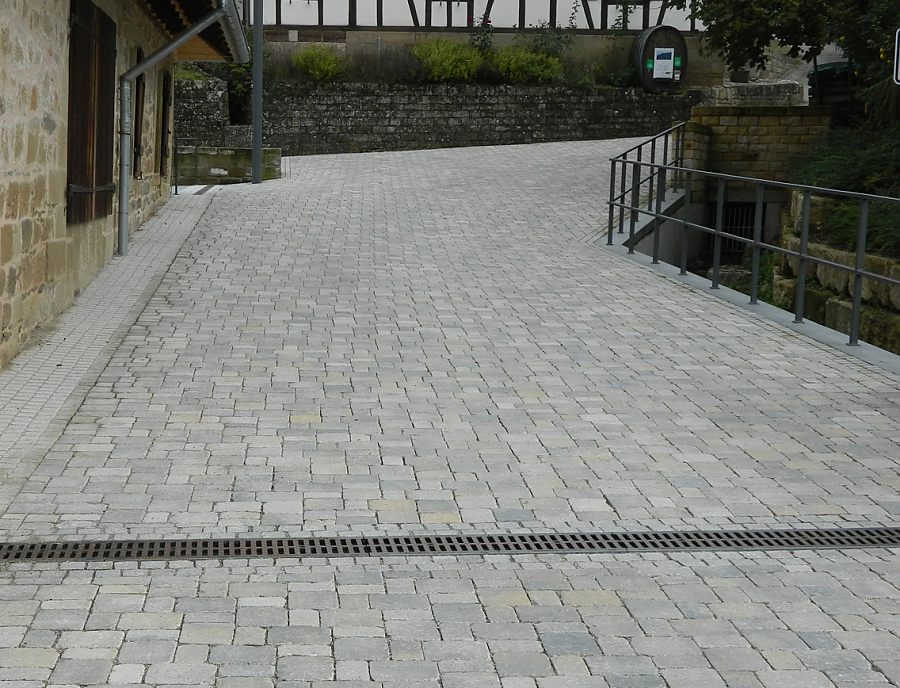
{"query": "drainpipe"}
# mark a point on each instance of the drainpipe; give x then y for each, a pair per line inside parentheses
(240, 52)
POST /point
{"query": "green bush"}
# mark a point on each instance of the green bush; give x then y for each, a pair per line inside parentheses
(447, 60)
(551, 40)
(519, 65)
(319, 63)
(865, 161)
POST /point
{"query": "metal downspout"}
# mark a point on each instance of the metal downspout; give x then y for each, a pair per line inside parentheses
(126, 122)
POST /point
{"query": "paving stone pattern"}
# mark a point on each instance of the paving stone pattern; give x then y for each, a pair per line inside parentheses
(424, 342)
(683, 620)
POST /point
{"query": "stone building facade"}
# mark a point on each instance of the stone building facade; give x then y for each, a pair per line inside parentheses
(49, 250)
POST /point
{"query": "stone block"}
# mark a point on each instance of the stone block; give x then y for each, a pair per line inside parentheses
(880, 328)
(12, 281)
(839, 281)
(815, 301)
(56, 185)
(783, 292)
(6, 243)
(838, 314)
(894, 291)
(27, 233)
(876, 291)
(56, 259)
(12, 201)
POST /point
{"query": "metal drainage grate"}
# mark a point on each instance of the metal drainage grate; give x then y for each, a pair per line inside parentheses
(453, 544)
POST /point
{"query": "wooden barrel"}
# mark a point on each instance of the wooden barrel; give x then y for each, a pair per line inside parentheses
(659, 54)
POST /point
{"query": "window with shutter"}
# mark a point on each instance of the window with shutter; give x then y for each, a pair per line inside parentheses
(138, 135)
(92, 98)
(166, 107)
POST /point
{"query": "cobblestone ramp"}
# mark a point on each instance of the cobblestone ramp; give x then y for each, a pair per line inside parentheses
(422, 345)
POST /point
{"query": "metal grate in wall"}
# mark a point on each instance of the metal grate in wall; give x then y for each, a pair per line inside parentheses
(738, 220)
(667, 541)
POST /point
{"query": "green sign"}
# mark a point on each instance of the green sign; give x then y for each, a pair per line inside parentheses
(649, 64)
(677, 61)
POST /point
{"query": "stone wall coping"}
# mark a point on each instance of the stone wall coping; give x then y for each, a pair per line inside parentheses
(760, 111)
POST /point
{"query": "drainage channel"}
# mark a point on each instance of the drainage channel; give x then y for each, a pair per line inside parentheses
(434, 545)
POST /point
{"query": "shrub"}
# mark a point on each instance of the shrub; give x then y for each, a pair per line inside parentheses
(482, 36)
(447, 60)
(552, 40)
(319, 63)
(865, 161)
(519, 65)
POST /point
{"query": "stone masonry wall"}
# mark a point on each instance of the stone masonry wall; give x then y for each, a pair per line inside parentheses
(43, 261)
(759, 141)
(828, 291)
(767, 94)
(201, 106)
(33, 39)
(342, 118)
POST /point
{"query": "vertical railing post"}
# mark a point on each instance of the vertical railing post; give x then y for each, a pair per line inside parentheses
(757, 240)
(801, 267)
(717, 242)
(612, 197)
(684, 219)
(622, 193)
(857, 274)
(678, 157)
(635, 200)
(658, 222)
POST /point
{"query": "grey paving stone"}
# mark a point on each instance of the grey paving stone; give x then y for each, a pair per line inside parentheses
(81, 671)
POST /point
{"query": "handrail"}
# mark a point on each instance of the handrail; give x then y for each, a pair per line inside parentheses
(655, 181)
(649, 204)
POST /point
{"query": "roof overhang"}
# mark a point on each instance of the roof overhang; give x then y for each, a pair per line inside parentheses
(222, 41)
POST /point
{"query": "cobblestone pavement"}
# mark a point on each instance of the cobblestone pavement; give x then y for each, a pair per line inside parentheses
(425, 342)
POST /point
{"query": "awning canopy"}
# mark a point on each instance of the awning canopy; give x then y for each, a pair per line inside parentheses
(223, 41)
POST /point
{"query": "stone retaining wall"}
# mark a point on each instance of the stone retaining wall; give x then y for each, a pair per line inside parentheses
(343, 118)
(828, 293)
(210, 165)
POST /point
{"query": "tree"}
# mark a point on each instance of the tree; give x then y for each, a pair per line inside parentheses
(742, 30)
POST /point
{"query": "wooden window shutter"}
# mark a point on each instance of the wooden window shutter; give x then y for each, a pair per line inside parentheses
(166, 104)
(137, 139)
(80, 171)
(92, 93)
(106, 117)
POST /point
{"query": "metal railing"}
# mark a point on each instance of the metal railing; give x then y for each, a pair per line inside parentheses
(662, 153)
(647, 183)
